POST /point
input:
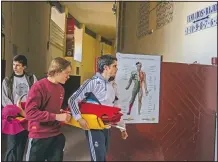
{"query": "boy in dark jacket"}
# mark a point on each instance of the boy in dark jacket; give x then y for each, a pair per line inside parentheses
(13, 88)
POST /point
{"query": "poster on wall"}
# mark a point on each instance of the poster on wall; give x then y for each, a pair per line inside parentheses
(70, 38)
(138, 82)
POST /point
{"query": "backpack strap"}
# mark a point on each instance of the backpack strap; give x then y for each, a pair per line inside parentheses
(9, 82)
(29, 78)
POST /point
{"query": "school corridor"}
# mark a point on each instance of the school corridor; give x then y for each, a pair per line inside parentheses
(184, 34)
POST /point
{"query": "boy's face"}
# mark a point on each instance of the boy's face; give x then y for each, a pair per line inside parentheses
(111, 70)
(63, 76)
(18, 68)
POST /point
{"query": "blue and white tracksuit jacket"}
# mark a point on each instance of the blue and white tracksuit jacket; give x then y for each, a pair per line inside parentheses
(105, 92)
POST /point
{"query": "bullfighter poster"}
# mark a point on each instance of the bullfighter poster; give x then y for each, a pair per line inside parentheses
(138, 82)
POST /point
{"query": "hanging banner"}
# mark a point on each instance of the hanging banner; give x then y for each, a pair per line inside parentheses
(70, 38)
(138, 82)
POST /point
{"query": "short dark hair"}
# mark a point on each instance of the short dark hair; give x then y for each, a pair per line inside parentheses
(57, 65)
(21, 59)
(138, 63)
(105, 60)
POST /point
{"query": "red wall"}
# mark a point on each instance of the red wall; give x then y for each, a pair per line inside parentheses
(186, 130)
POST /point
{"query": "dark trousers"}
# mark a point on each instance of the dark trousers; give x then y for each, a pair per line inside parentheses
(50, 149)
(16, 146)
(98, 143)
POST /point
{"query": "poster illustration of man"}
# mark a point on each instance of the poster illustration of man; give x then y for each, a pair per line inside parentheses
(140, 87)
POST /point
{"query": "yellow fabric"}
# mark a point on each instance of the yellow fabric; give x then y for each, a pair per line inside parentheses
(20, 118)
(93, 122)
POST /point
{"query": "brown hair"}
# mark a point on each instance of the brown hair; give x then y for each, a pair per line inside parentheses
(57, 65)
(21, 59)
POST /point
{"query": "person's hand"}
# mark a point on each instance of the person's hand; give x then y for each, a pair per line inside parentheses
(124, 135)
(63, 117)
(65, 111)
(83, 123)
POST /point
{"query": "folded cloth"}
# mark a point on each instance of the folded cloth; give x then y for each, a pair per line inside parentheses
(108, 114)
(11, 125)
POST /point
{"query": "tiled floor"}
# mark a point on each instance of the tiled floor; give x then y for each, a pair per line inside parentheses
(76, 148)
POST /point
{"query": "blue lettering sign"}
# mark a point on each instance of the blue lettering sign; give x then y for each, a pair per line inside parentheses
(201, 25)
(202, 13)
(201, 19)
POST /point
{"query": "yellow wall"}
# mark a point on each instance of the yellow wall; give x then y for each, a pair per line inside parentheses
(113, 48)
(90, 52)
(91, 48)
(107, 49)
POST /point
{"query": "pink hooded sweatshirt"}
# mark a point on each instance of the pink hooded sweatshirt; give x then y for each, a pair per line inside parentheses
(11, 125)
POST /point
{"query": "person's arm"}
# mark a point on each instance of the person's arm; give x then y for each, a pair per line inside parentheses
(5, 98)
(78, 96)
(130, 81)
(33, 104)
